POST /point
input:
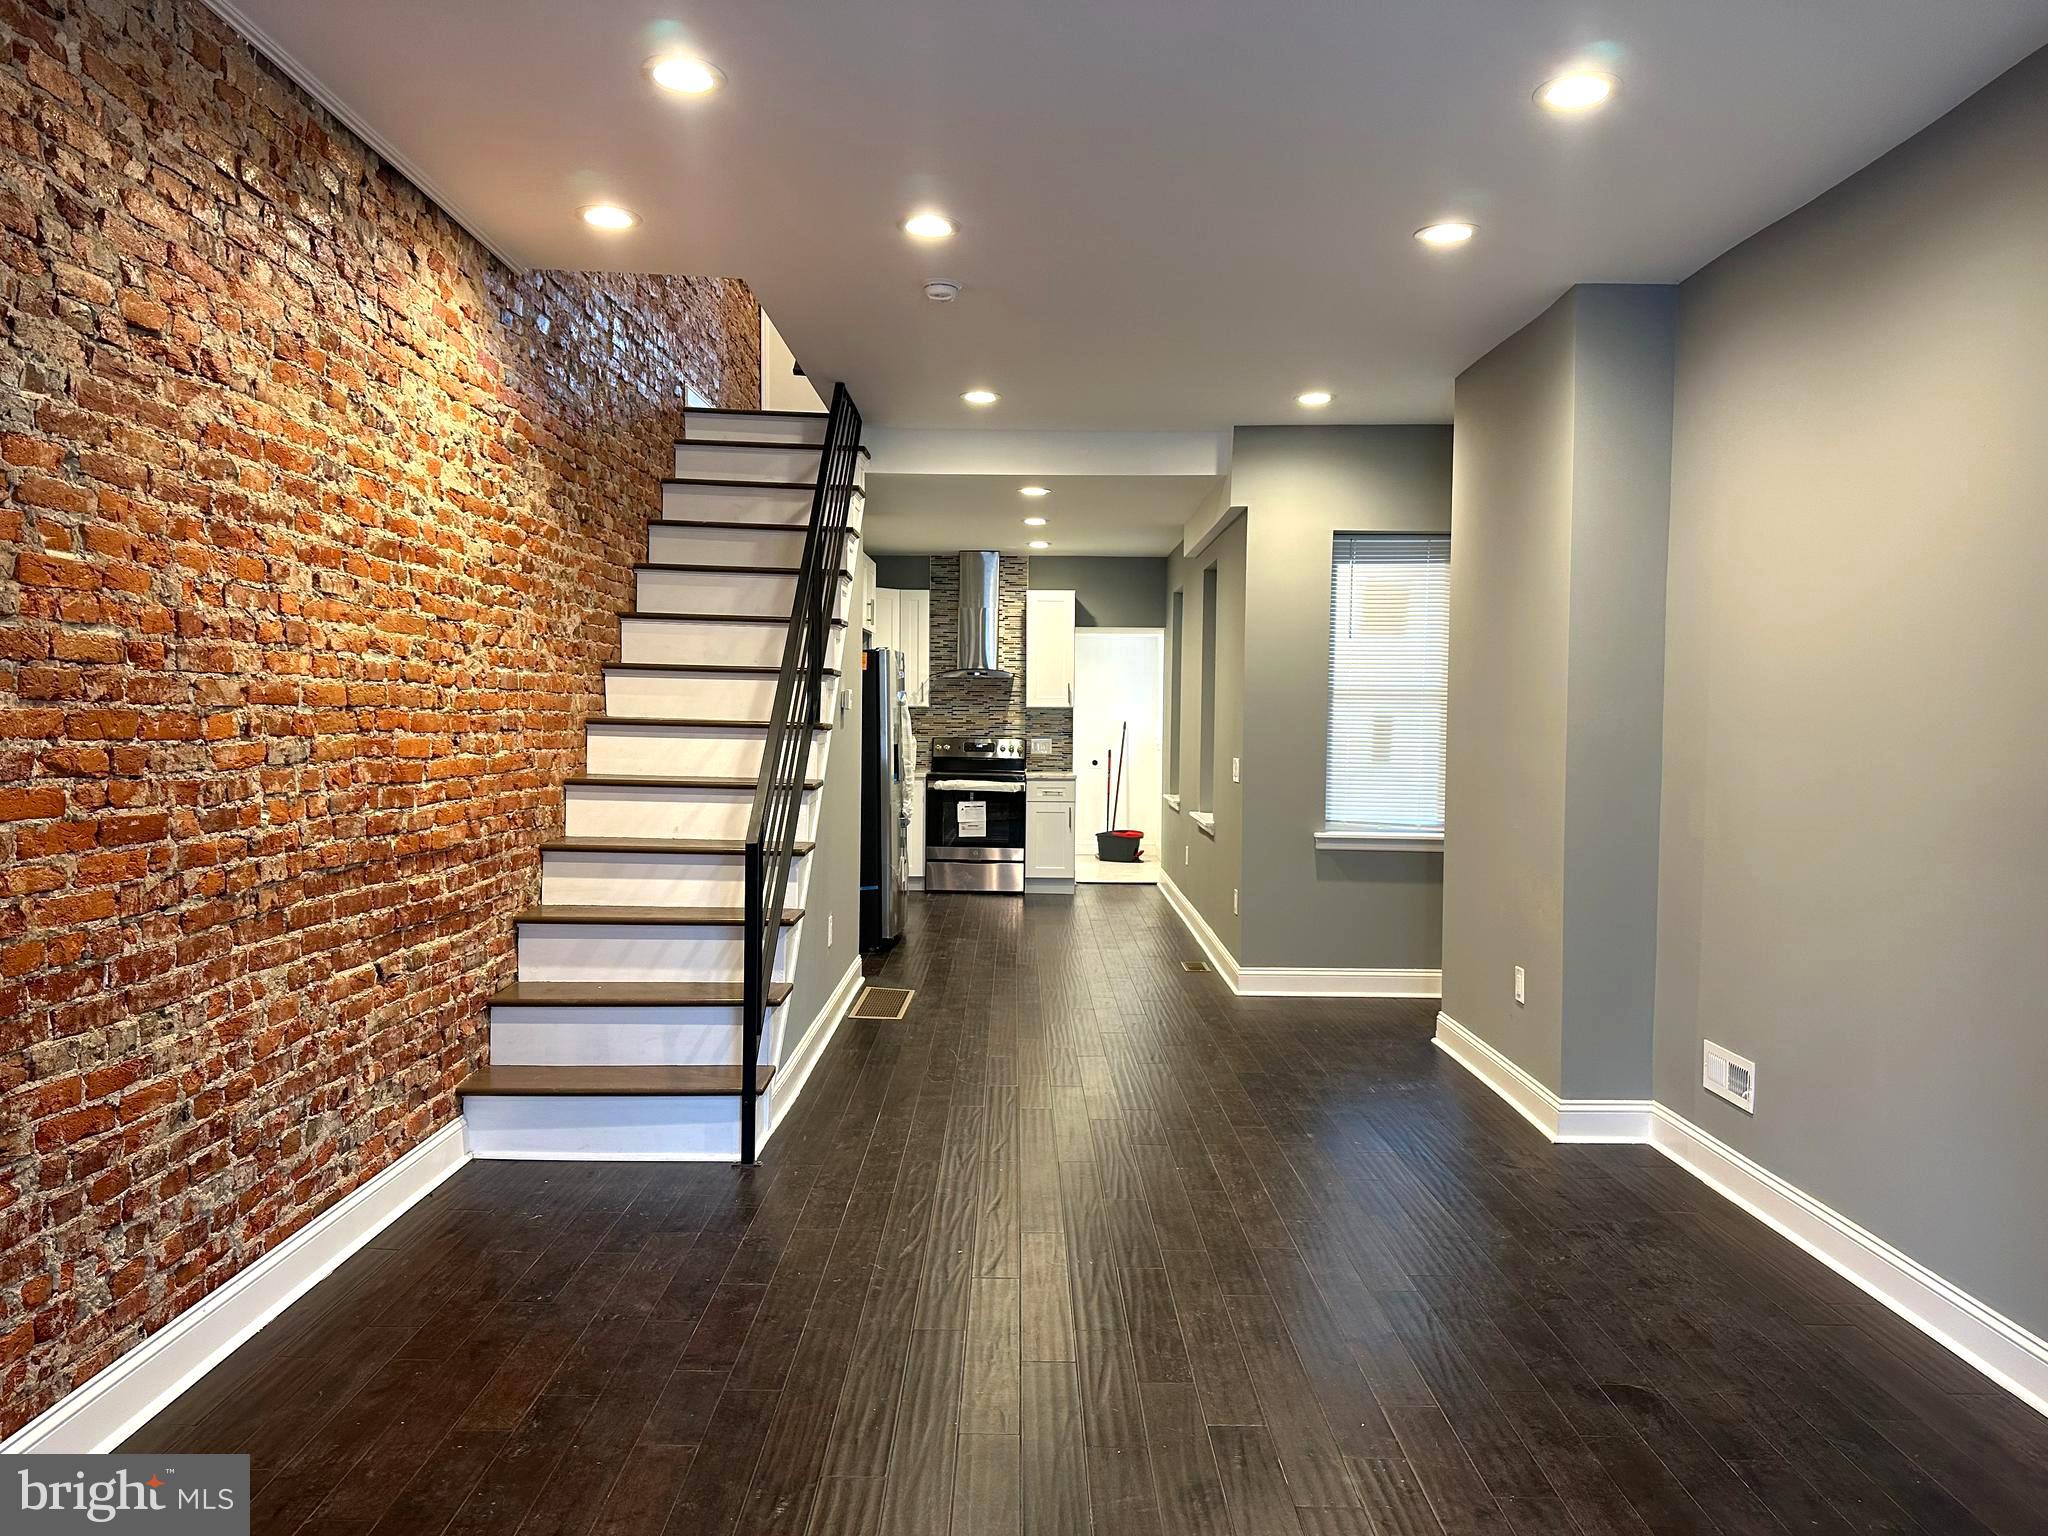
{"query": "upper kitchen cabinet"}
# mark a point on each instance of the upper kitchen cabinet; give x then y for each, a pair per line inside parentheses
(902, 622)
(1048, 650)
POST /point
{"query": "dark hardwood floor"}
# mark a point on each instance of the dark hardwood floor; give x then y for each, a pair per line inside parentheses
(1085, 1243)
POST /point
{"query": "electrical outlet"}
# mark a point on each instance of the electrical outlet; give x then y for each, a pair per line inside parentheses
(1040, 745)
(1521, 987)
(1233, 901)
(828, 930)
(1731, 1076)
(1233, 772)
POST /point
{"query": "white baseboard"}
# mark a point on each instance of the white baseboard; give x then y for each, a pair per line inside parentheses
(1992, 1343)
(791, 1075)
(105, 1410)
(1334, 981)
(1282, 981)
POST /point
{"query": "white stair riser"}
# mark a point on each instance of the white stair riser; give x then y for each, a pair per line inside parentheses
(618, 1037)
(550, 1126)
(753, 427)
(577, 879)
(710, 461)
(607, 810)
(712, 592)
(646, 751)
(682, 544)
(710, 642)
(637, 952)
(769, 506)
(697, 695)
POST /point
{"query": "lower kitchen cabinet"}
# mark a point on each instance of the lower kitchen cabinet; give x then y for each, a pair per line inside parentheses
(1049, 830)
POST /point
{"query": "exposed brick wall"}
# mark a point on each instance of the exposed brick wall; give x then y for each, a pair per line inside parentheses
(314, 525)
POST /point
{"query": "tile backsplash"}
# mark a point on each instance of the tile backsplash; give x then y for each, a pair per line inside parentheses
(976, 706)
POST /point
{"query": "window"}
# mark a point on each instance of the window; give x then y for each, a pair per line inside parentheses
(1173, 621)
(1390, 633)
(1207, 785)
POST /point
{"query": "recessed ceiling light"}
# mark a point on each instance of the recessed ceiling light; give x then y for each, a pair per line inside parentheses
(1033, 490)
(1313, 397)
(609, 216)
(1034, 522)
(981, 397)
(1449, 232)
(1040, 544)
(686, 76)
(928, 225)
(1576, 90)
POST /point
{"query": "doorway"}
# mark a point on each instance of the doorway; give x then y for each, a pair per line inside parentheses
(1118, 680)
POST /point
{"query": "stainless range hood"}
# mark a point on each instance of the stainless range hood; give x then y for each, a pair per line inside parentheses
(979, 573)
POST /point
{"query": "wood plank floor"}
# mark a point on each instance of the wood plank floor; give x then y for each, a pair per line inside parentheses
(1084, 1243)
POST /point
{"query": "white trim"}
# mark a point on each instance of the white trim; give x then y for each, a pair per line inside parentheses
(790, 1076)
(1280, 981)
(105, 1410)
(1219, 957)
(1337, 981)
(1172, 802)
(2002, 1349)
(304, 78)
(1206, 820)
(1980, 1336)
(1339, 837)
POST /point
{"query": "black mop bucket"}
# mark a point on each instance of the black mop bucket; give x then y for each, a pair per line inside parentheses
(1118, 847)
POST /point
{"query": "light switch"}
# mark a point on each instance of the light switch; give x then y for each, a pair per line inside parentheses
(1233, 771)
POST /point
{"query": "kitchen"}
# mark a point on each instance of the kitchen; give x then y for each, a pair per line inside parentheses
(984, 655)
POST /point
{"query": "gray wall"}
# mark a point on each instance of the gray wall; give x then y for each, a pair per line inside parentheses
(1110, 591)
(1557, 640)
(1510, 617)
(1854, 871)
(1300, 486)
(1209, 868)
(834, 875)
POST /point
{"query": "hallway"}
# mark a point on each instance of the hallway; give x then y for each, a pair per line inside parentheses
(1084, 1242)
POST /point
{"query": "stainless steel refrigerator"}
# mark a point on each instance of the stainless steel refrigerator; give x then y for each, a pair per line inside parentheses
(884, 781)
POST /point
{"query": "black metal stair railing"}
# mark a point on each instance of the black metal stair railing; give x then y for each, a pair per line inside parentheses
(793, 723)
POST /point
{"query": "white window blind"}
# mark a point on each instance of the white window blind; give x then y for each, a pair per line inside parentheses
(1390, 641)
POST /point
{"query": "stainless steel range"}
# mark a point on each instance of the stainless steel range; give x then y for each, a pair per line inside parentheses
(974, 816)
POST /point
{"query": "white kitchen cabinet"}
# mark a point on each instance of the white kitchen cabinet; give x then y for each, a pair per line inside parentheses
(867, 585)
(1048, 650)
(1049, 830)
(883, 618)
(914, 640)
(913, 832)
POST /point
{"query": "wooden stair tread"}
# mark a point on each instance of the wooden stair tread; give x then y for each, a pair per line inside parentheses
(726, 570)
(671, 917)
(752, 669)
(654, 845)
(741, 527)
(708, 442)
(676, 781)
(719, 618)
(739, 410)
(751, 485)
(692, 721)
(629, 994)
(609, 1082)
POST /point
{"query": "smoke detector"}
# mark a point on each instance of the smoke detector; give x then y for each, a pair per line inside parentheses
(939, 291)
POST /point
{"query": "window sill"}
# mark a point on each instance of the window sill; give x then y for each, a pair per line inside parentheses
(1206, 820)
(1172, 803)
(1367, 839)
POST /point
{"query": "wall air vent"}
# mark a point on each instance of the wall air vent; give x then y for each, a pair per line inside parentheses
(1731, 1076)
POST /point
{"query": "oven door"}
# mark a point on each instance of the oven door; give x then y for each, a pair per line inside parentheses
(974, 835)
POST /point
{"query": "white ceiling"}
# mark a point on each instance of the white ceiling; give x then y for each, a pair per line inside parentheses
(1084, 515)
(1173, 213)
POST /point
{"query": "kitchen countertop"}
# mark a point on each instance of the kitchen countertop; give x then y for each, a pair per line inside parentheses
(1048, 773)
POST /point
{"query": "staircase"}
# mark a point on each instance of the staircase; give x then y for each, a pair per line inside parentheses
(654, 988)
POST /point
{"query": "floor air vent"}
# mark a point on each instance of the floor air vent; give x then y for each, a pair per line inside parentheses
(883, 1003)
(1194, 965)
